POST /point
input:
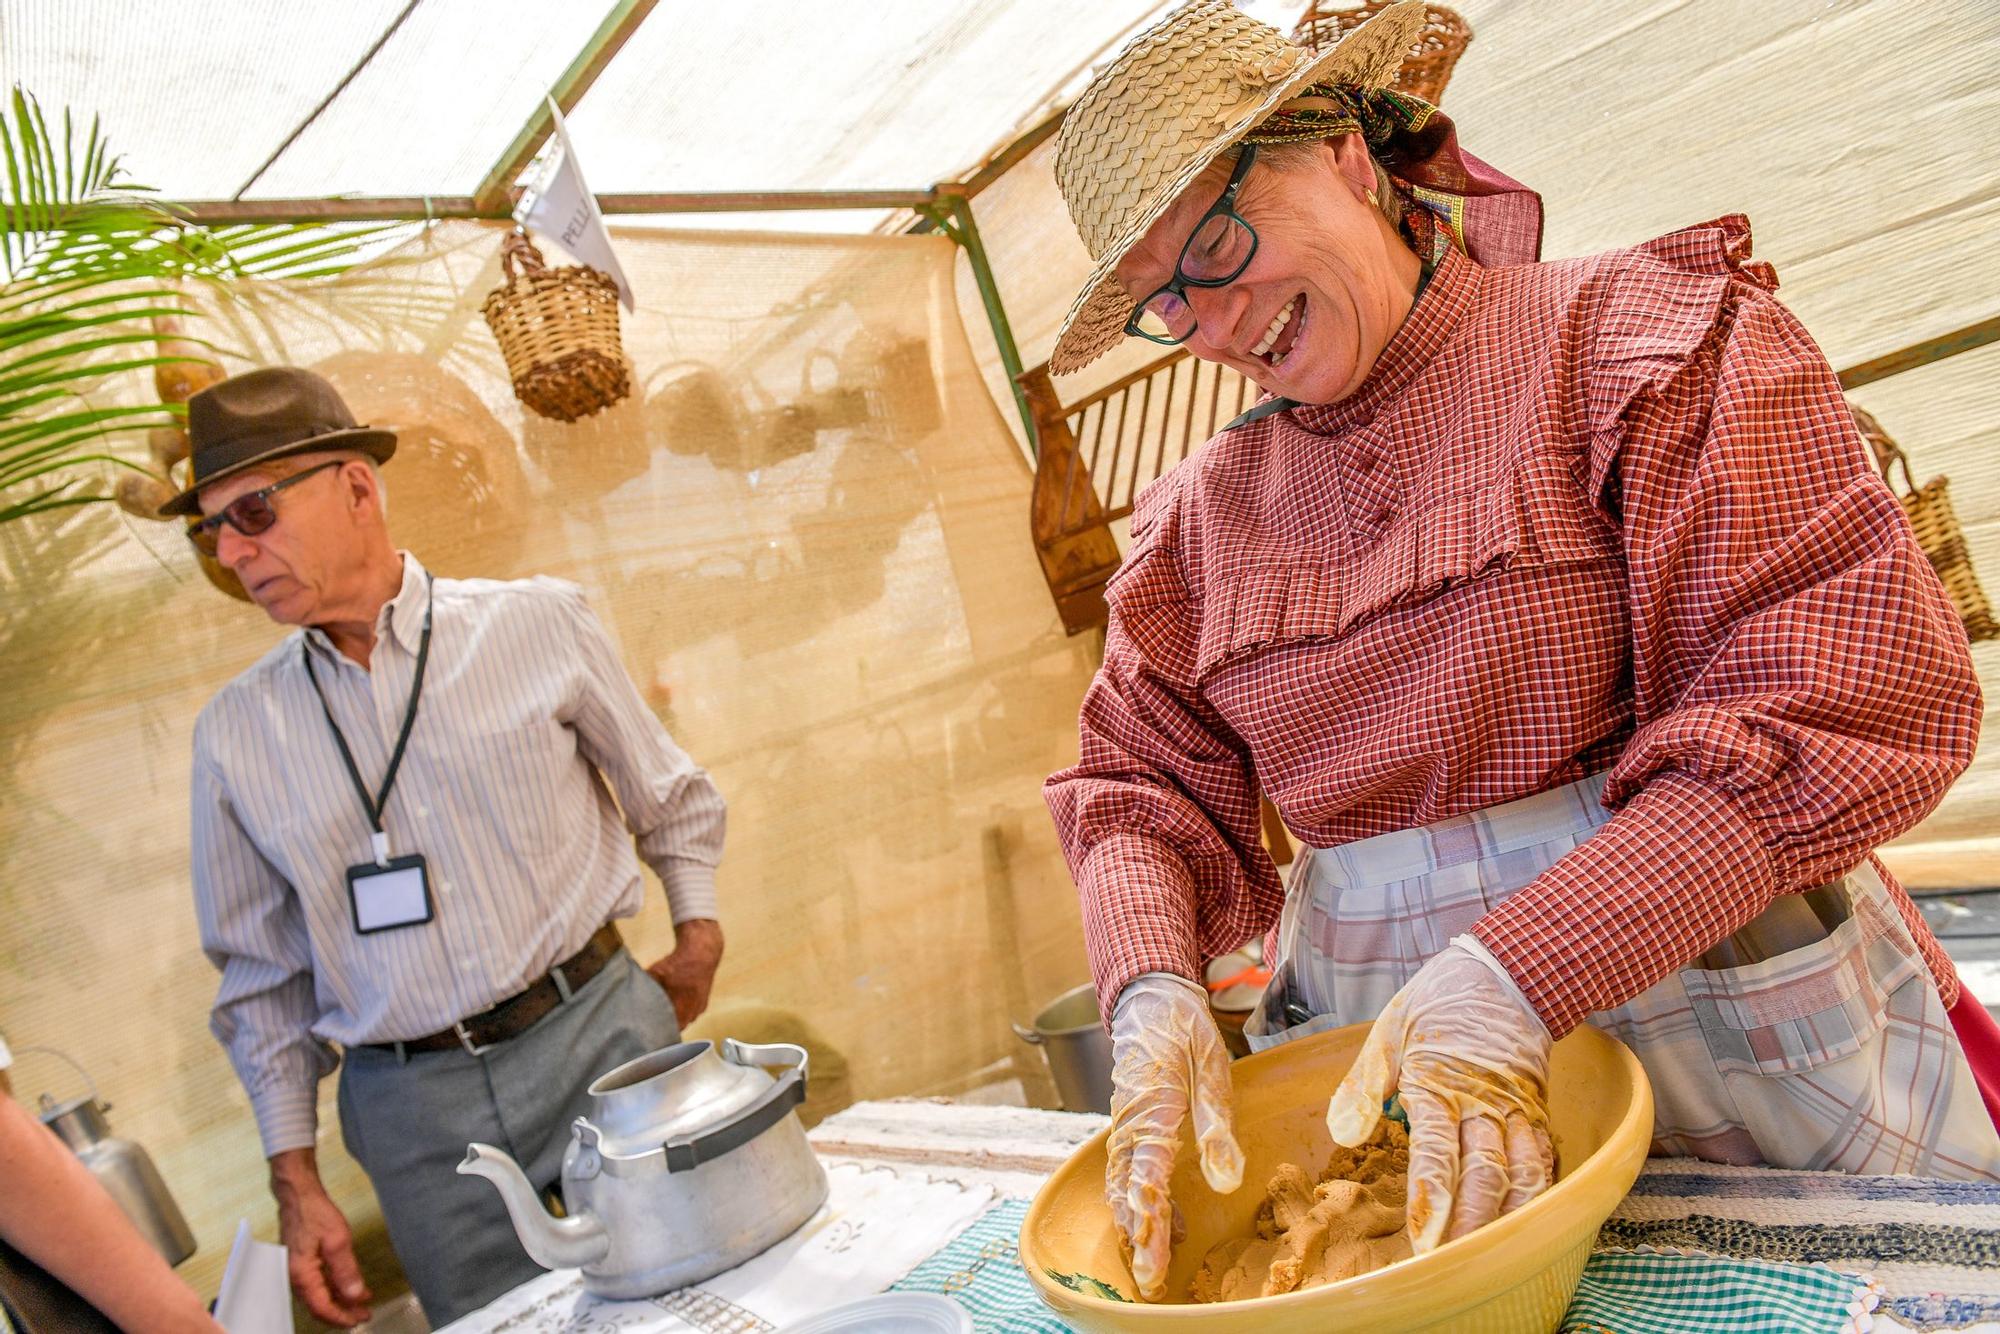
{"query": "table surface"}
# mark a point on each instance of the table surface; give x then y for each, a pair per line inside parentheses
(1932, 1247)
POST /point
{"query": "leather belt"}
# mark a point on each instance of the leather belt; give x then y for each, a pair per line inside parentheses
(514, 1016)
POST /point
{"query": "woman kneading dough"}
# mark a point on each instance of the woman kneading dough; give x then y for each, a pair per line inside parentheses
(1556, 610)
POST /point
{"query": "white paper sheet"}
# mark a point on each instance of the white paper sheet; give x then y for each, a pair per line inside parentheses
(256, 1296)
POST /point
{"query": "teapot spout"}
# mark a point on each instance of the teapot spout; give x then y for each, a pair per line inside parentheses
(553, 1243)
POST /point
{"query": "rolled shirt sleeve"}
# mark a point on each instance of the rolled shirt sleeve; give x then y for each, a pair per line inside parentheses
(1803, 690)
(253, 930)
(676, 815)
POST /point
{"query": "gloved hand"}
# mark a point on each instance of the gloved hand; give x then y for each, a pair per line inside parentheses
(1471, 1059)
(1166, 1059)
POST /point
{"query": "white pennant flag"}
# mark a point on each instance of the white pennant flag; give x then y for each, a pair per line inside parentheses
(560, 206)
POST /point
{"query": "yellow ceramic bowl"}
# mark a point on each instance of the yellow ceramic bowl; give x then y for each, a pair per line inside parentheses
(1516, 1274)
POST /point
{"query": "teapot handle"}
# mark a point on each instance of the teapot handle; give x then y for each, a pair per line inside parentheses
(777, 1103)
(765, 1053)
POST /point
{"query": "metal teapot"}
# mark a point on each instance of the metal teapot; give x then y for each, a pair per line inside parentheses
(689, 1164)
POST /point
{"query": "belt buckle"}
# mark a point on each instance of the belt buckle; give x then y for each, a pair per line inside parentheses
(465, 1040)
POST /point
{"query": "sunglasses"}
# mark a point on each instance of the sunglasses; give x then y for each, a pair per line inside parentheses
(249, 514)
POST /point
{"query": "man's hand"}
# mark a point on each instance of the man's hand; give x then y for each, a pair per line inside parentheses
(689, 972)
(318, 1245)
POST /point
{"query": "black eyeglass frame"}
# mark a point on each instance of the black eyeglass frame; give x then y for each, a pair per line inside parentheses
(1224, 206)
(205, 535)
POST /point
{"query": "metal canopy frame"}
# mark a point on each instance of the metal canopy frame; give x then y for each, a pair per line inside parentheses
(609, 39)
(946, 206)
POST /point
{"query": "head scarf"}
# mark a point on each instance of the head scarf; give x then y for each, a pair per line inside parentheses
(1484, 212)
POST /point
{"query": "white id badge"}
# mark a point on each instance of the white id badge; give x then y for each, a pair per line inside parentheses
(386, 895)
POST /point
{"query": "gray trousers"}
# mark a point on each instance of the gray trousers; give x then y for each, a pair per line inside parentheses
(407, 1123)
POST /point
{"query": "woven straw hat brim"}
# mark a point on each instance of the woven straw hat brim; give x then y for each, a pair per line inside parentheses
(1368, 57)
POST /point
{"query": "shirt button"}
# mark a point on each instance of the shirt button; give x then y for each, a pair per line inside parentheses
(1384, 514)
(466, 965)
(1365, 463)
(444, 886)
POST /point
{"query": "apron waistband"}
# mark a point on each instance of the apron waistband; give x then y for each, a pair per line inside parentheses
(1571, 810)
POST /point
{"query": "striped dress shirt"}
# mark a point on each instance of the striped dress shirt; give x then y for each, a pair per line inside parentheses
(526, 716)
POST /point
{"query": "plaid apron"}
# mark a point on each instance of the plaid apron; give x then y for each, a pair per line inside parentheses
(1813, 1038)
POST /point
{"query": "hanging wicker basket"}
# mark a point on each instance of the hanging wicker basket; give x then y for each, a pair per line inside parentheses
(558, 330)
(1425, 70)
(1938, 533)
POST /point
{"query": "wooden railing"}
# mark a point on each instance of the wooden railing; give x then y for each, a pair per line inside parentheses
(1098, 453)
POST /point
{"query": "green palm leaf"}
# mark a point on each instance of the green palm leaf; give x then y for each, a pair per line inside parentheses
(89, 260)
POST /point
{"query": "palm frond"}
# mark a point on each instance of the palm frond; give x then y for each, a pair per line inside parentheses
(92, 266)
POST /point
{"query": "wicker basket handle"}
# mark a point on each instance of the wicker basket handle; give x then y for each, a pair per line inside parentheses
(517, 249)
(1888, 454)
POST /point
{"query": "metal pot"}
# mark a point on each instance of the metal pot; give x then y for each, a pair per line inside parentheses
(1072, 1037)
(690, 1164)
(125, 1170)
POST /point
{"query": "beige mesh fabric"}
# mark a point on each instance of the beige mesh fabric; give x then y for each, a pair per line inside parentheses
(1178, 95)
(808, 530)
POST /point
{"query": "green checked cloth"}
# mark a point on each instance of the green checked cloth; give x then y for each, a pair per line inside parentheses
(981, 1271)
(1640, 1292)
(1627, 1292)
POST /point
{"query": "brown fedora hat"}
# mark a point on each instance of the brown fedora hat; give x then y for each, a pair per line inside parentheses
(267, 414)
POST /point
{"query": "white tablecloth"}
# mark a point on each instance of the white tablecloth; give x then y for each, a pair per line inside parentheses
(904, 1179)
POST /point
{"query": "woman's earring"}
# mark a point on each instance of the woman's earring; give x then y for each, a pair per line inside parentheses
(1374, 200)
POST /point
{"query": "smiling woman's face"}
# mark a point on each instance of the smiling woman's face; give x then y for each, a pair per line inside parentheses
(1329, 285)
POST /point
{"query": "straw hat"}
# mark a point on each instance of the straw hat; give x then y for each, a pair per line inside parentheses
(1180, 94)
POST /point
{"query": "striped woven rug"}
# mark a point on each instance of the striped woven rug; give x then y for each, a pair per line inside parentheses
(1932, 1247)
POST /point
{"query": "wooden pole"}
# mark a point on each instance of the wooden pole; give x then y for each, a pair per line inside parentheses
(1922, 354)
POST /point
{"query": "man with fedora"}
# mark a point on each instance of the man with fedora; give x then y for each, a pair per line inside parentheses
(405, 846)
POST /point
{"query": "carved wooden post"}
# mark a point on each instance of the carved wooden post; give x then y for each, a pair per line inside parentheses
(1072, 536)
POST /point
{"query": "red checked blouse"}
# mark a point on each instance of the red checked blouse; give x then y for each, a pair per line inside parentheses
(1600, 513)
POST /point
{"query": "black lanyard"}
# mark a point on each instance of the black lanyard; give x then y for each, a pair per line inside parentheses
(380, 802)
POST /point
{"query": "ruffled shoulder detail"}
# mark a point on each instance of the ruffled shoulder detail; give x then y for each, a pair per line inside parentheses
(1649, 310)
(1148, 594)
(1720, 247)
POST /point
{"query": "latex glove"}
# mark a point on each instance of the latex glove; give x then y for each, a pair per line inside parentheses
(1167, 1059)
(1471, 1060)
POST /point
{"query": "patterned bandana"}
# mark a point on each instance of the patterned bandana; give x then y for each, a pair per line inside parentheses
(1489, 215)
(1325, 110)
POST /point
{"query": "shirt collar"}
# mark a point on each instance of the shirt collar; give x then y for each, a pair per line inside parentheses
(403, 615)
(401, 618)
(1424, 333)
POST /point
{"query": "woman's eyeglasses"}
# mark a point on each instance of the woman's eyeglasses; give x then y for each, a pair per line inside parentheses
(1219, 249)
(249, 514)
